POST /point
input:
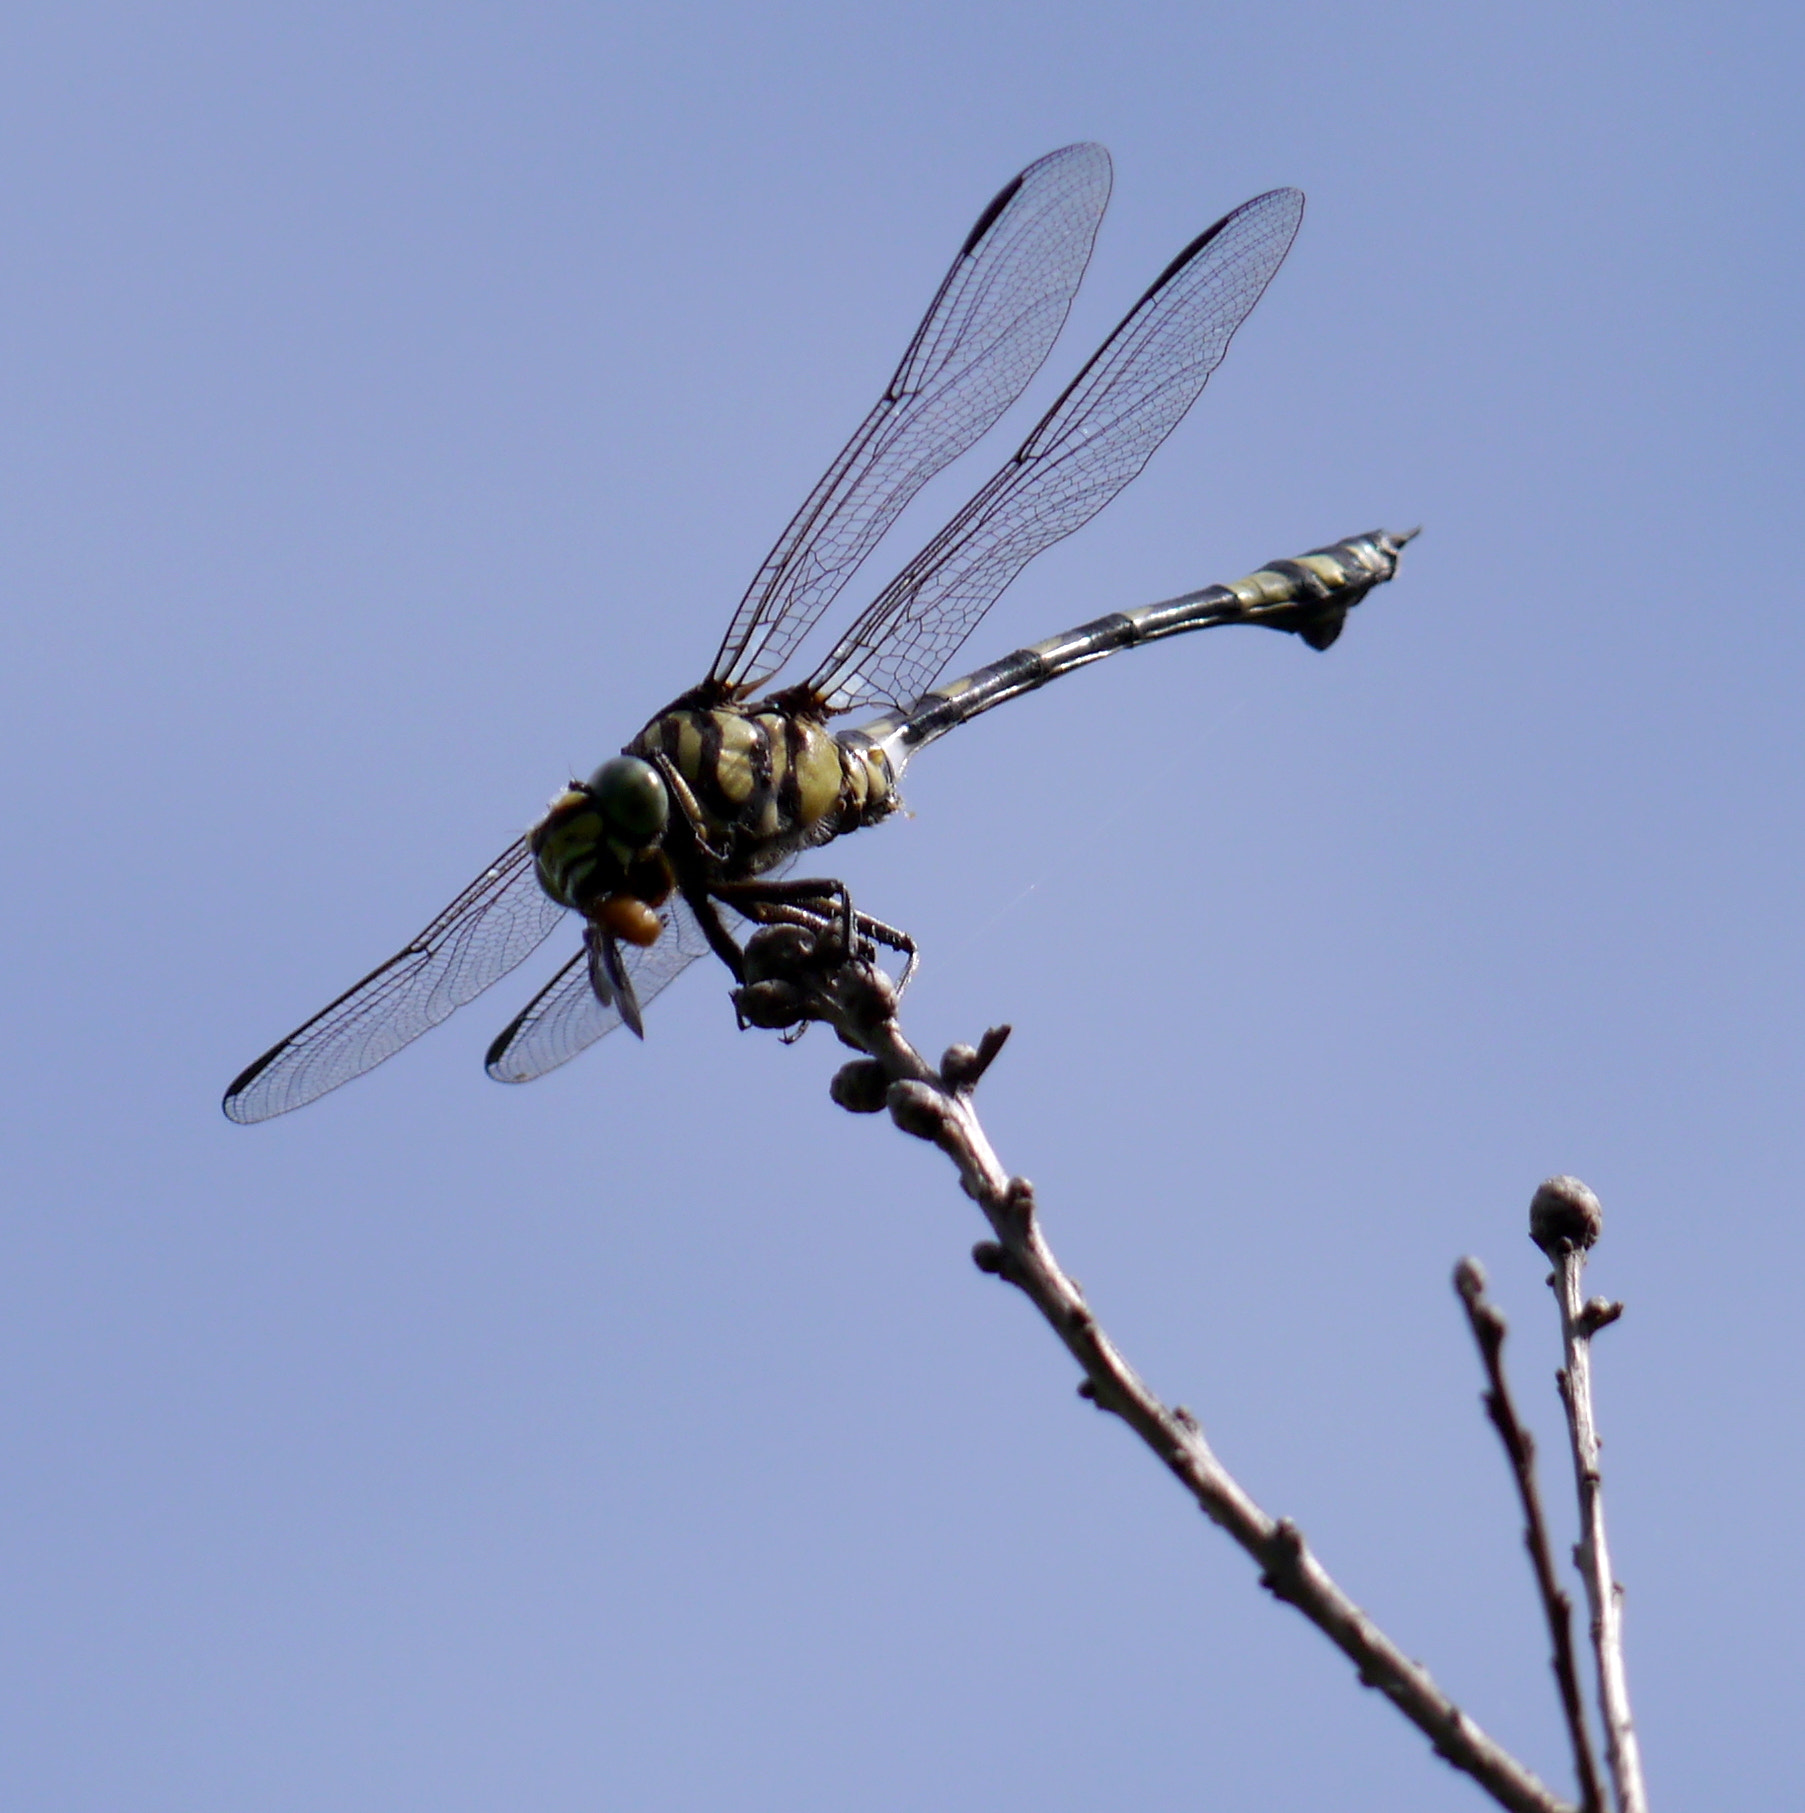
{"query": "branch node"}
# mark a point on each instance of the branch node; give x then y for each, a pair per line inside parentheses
(988, 1257)
(918, 1108)
(870, 995)
(1285, 1549)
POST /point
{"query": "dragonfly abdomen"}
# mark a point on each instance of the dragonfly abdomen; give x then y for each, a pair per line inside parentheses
(1309, 597)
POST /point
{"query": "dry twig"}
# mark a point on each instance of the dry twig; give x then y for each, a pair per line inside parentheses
(1565, 1220)
(1519, 1446)
(795, 975)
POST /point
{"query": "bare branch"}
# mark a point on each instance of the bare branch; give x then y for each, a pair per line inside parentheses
(1565, 1219)
(791, 984)
(1488, 1328)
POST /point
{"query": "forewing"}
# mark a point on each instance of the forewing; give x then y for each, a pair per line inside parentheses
(1099, 434)
(565, 1017)
(987, 331)
(493, 925)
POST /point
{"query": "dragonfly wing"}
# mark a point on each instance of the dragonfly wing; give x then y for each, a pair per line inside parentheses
(1099, 434)
(496, 923)
(987, 331)
(566, 1017)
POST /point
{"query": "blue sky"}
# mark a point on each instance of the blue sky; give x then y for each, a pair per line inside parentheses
(396, 403)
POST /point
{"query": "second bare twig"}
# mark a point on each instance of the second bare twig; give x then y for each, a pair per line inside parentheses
(1565, 1219)
(1519, 1446)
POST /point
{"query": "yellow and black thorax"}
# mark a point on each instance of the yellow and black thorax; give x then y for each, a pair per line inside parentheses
(755, 785)
(767, 782)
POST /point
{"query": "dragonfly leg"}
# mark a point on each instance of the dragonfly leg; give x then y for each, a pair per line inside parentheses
(892, 939)
(689, 811)
(819, 906)
(694, 859)
(720, 940)
(799, 968)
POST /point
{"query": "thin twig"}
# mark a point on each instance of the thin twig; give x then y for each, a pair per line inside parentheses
(1565, 1219)
(1488, 1328)
(793, 978)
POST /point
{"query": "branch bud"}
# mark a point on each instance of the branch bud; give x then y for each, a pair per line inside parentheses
(1469, 1281)
(778, 951)
(1564, 1217)
(987, 1256)
(859, 1087)
(770, 1006)
(1599, 1313)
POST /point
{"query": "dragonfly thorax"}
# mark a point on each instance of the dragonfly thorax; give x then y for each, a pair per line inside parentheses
(765, 782)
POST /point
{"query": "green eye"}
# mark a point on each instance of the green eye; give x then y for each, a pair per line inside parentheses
(632, 798)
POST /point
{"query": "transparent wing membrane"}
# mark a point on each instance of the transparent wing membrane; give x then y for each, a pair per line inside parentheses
(1099, 434)
(987, 332)
(566, 1017)
(495, 924)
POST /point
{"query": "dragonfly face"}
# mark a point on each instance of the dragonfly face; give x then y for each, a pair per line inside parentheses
(732, 781)
(599, 848)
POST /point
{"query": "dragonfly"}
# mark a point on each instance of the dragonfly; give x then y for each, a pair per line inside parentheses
(704, 811)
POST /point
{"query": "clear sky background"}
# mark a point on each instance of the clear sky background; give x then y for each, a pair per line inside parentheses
(396, 401)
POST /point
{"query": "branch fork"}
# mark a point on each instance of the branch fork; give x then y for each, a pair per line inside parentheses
(802, 973)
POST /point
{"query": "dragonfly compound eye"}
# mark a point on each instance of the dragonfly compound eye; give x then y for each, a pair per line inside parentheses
(632, 798)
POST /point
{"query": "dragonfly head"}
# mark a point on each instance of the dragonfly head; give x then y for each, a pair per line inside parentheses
(599, 846)
(631, 797)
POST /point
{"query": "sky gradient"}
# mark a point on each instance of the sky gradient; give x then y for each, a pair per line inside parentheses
(396, 405)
